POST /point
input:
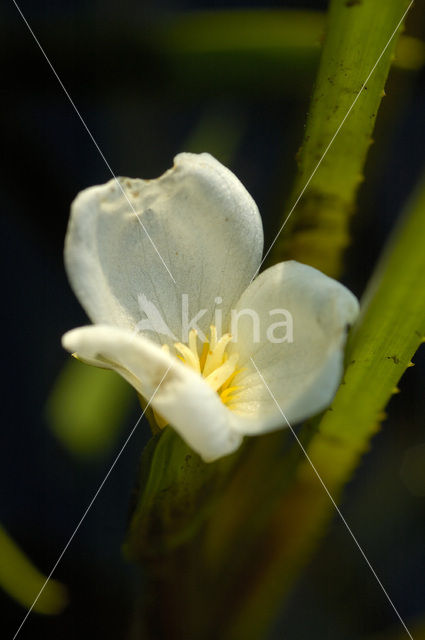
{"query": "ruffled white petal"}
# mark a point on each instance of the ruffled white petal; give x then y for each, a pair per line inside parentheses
(183, 398)
(303, 375)
(197, 216)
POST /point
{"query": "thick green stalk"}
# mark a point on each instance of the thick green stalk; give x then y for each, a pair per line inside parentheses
(357, 34)
(389, 331)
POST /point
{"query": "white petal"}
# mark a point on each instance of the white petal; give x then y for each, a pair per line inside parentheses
(182, 398)
(200, 219)
(303, 375)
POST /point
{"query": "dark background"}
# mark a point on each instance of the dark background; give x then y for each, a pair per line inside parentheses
(141, 113)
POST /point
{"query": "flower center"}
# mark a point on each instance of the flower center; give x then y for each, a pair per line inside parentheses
(213, 363)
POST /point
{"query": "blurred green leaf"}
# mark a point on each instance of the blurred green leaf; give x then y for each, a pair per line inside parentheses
(22, 581)
(277, 31)
(87, 407)
(251, 49)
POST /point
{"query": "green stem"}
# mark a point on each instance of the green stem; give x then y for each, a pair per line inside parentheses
(357, 36)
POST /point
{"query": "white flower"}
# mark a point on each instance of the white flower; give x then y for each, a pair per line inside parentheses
(200, 221)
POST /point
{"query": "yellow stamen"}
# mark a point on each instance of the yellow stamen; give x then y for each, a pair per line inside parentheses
(204, 354)
(229, 393)
(190, 357)
(215, 356)
(214, 364)
(218, 377)
(193, 346)
(232, 377)
(213, 339)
